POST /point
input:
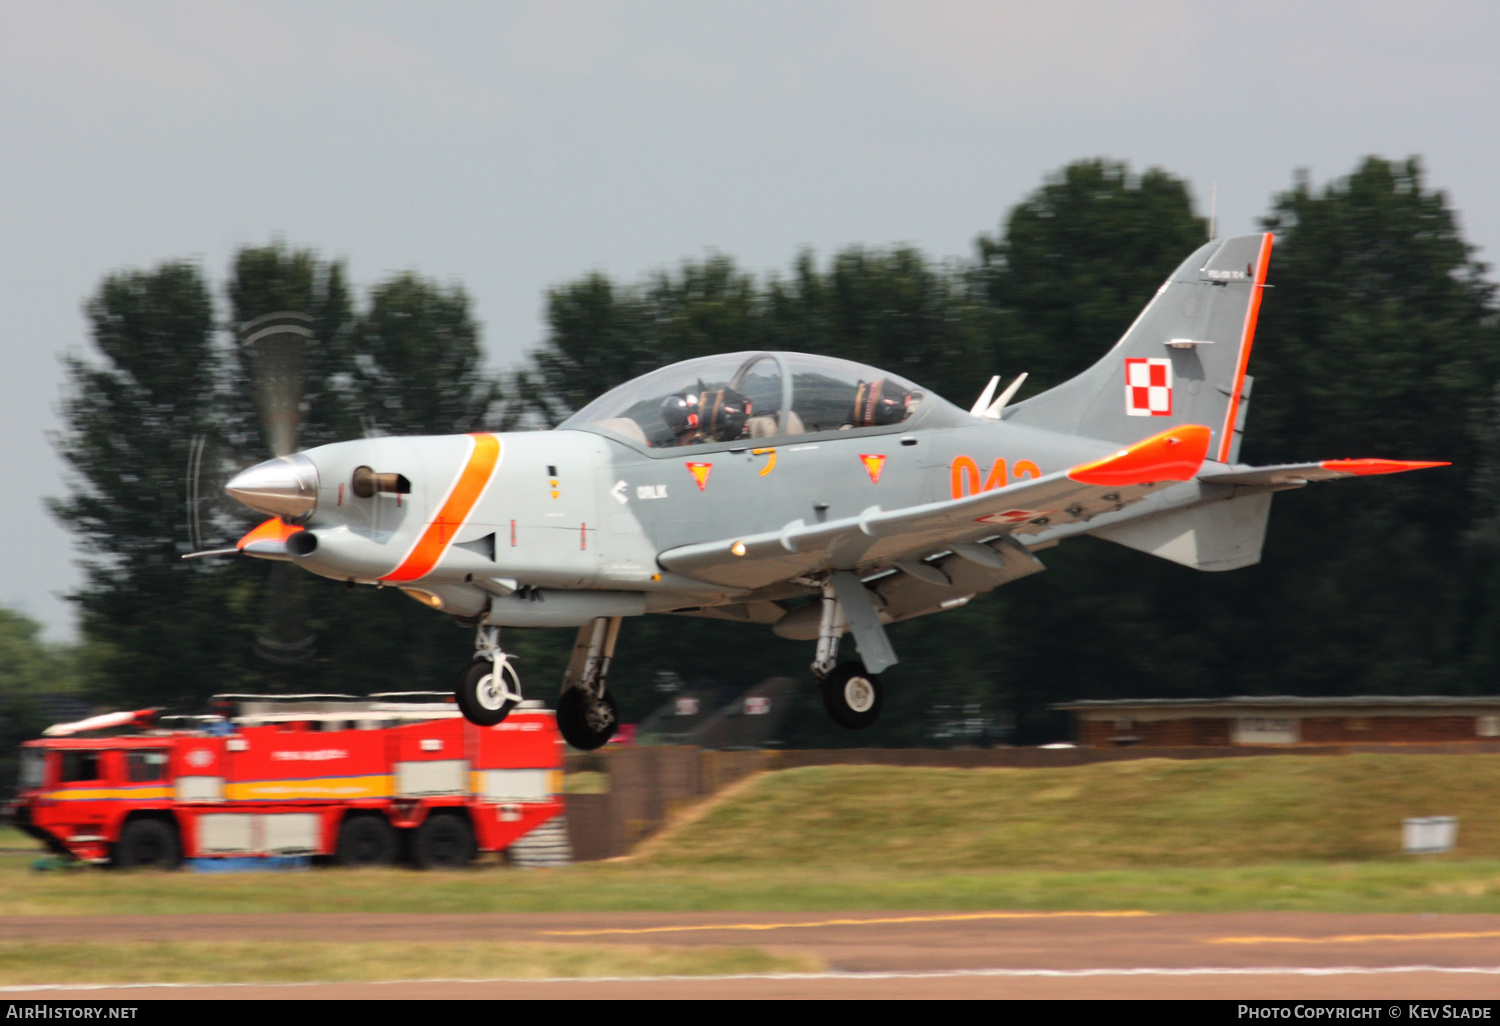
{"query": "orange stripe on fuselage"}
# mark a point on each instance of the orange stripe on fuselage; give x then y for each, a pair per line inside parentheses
(442, 529)
(1262, 263)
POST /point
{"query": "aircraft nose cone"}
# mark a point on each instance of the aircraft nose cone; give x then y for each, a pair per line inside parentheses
(285, 487)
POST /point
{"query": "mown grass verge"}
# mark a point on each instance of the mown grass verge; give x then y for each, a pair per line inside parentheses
(301, 962)
(1293, 833)
(1427, 885)
(12, 838)
(1142, 813)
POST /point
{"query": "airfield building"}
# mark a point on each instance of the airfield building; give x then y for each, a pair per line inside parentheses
(1284, 720)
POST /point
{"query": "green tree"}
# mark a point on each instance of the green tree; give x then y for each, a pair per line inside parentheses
(895, 309)
(29, 669)
(418, 367)
(600, 335)
(1379, 339)
(274, 279)
(159, 623)
(1077, 260)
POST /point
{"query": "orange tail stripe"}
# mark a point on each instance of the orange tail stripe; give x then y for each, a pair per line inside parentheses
(1263, 263)
(442, 528)
(1175, 454)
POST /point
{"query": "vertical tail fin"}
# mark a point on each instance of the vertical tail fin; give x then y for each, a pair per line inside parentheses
(1183, 361)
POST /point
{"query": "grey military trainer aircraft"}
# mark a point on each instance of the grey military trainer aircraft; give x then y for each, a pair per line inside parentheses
(816, 496)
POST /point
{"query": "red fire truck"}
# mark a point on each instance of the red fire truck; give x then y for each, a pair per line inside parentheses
(364, 780)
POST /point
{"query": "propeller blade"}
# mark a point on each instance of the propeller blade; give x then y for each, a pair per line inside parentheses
(276, 344)
(285, 639)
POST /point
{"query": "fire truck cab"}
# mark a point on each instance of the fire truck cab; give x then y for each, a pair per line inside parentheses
(366, 781)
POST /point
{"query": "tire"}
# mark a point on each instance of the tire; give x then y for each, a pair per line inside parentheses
(147, 843)
(852, 696)
(366, 841)
(481, 703)
(585, 723)
(445, 841)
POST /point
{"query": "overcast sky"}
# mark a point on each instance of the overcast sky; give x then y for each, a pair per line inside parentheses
(511, 146)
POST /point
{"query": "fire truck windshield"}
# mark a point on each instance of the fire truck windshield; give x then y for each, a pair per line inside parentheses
(78, 765)
(32, 763)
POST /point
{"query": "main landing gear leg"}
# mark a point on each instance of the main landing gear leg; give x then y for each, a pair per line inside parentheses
(851, 694)
(587, 715)
(829, 630)
(489, 688)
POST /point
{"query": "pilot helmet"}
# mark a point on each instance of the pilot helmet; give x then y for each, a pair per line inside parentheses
(725, 414)
(680, 411)
(879, 403)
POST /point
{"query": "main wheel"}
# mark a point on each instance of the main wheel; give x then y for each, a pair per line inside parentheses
(481, 698)
(445, 841)
(366, 841)
(147, 842)
(587, 722)
(852, 696)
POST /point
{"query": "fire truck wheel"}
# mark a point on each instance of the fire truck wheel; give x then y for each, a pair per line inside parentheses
(148, 843)
(852, 696)
(366, 841)
(443, 842)
(587, 723)
(479, 699)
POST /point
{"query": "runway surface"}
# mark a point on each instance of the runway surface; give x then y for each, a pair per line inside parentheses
(887, 954)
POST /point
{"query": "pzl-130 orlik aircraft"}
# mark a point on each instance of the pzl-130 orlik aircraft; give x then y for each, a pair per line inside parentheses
(816, 496)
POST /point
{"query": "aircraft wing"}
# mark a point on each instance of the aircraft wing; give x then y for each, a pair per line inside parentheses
(878, 536)
(1303, 473)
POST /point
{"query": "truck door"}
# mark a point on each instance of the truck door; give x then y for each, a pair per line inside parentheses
(81, 792)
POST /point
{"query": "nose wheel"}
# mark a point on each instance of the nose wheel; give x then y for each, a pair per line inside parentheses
(489, 687)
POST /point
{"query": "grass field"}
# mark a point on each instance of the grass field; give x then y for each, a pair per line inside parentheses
(1306, 833)
(283, 962)
(1161, 813)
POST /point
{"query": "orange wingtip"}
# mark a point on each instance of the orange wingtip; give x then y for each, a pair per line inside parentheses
(1174, 455)
(274, 529)
(1364, 468)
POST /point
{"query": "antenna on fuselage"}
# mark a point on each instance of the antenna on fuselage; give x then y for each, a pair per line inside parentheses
(993, 411)
(983, 401)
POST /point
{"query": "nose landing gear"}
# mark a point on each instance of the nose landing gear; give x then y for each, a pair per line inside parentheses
(489, 687)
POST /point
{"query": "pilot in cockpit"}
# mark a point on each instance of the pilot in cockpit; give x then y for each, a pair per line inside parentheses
(880, 402)
(720, 415)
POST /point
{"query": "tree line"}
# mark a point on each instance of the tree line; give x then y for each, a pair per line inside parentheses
(1379, 337)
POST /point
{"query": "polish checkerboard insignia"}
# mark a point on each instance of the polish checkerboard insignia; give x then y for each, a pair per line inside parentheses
(1148, 387)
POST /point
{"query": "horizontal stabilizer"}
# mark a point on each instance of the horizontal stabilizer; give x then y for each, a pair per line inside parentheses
(1303, 473)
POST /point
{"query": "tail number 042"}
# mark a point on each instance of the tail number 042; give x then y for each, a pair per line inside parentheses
(964, 477)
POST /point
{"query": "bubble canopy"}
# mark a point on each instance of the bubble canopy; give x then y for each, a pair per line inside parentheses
(758, 395)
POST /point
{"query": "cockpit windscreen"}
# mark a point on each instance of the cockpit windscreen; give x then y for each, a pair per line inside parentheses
(749, 396)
